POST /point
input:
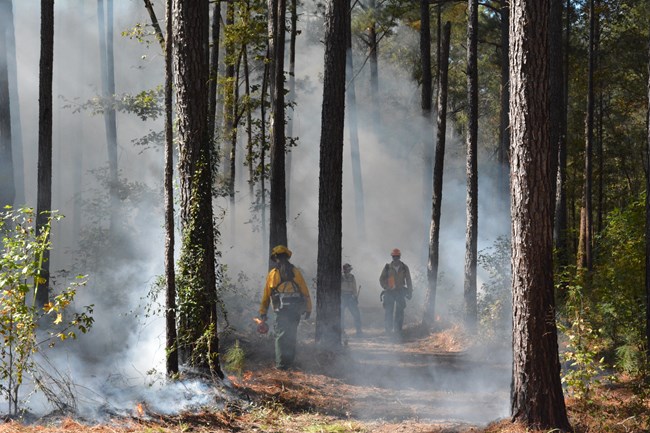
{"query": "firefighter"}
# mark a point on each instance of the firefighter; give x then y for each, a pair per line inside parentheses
(396, 283)
(350, 297)
(287, 291)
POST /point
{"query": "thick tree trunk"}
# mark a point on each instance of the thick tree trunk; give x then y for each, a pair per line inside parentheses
(471, 253)
(353, 130)
(537, 399)
(44, 193)
(438, 169)
(328, 323)
(197, 291)
(171, 348)
(278, 224)
(7, 182)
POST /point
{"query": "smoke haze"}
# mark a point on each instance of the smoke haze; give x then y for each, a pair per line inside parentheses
(125, 343)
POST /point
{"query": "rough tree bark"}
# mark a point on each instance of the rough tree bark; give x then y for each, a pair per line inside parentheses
(171, 348)
(537, 399)
(197, 295)
(471, 235)
(330, 186)
(278, 223)
(44, 193)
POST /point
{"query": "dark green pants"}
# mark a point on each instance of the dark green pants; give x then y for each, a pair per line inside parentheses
(394, 305)
(286, 334)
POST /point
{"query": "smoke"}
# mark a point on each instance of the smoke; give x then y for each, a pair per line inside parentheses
(116, 360)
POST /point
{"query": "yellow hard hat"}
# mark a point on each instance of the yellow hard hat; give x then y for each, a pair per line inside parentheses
(280, 249)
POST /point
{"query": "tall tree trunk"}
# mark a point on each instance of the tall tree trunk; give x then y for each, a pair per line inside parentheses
(330, 185)
(16, 131)
(230, 103)
(197, 289)
(586, 229)
(537, 399)
(471, 252)
(560, 227)
(263, 146)
(7, 183)
(278, 224)
(556, 85)
(647, 219)
(292, 93)
(438, 169)
(214, 71)
(44, 193)
(373, 57)
(353, 131)
(171, 348)
(105, 21)
(504, 133)
(426, 97)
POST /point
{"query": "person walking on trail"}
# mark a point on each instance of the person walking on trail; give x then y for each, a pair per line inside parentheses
(395, 279)
(350, 297)
(287, 291)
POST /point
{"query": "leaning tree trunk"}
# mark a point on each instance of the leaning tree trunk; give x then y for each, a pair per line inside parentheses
(537, 399)
(353, 131)
(472, 169)
(330, 185)
(7, 183)
(438, 169)
(197, 293)
(44, 193)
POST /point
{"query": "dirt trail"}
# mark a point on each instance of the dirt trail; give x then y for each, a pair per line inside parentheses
(378, 378)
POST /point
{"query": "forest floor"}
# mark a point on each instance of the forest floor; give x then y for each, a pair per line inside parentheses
(433, 383)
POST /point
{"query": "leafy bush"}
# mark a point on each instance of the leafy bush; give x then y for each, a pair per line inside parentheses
(21, 320)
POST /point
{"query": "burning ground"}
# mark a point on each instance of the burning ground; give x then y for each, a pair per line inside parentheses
(424, 383)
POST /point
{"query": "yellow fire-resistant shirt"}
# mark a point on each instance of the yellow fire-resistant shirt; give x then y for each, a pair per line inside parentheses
(273, 281)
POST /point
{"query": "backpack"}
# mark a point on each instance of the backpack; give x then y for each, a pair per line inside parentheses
(283, 301)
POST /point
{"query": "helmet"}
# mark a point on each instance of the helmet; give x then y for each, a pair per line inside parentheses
(347, 267)
(280, 249)
(262, 328)
(395, 252)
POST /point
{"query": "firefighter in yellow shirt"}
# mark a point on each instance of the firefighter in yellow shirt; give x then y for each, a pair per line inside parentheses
(287, 291)
(395, 279)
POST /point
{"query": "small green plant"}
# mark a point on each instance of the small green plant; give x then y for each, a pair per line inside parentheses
(21, 320)
(583, 366)
(234, 359)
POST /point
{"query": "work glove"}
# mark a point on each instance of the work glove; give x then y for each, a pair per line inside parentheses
(306, 315)
(263, 317)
